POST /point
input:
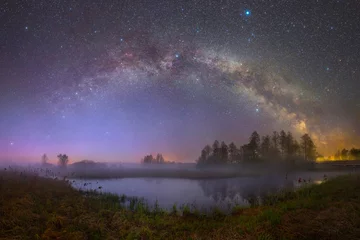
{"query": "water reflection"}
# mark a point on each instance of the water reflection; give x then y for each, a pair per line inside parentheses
(241, 190)
(222, 193)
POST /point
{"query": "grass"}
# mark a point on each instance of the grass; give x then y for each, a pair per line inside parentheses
(38, 208)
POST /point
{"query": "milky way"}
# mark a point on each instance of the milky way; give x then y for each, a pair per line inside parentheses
(113, 81)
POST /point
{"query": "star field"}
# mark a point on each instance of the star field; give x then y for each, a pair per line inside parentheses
(115, 80)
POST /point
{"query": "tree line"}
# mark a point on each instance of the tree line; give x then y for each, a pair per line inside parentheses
(149, 159)
(63, 160)
(278, 146)
(345, 154)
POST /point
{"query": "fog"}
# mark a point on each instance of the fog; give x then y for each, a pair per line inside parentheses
(205, 194)
(184, 184)
(177, 170)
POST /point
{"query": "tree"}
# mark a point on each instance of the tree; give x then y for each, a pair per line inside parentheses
(207, 150)
(44, 160)
(233, 153)
(203, 158)
(283, 143)
(337, 155)
(148, 159)
(254, 145)
(216, 152)
(308, 148)
(63, 160)
(265, 146)
(275, 144)
(159, 158)
(344, 154)
(355, 154)
(291, 147)
(246, 152)
(205, 155)
(296, 147)
(224, 154)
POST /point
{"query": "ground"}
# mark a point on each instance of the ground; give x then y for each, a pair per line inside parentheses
(37, 208)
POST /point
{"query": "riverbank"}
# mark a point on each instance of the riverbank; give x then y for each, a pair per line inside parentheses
(38, 208)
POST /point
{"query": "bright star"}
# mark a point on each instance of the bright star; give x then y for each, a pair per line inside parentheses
(177, 55)
(247, 12)
(257, 110)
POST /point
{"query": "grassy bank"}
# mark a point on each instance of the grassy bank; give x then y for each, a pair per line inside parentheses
(39, 208)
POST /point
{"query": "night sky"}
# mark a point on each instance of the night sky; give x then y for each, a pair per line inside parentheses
(115, 80)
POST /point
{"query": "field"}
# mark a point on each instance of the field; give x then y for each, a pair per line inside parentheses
(32, 207)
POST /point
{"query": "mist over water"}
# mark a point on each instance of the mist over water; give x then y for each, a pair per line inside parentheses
(183, 184)
(204, 193)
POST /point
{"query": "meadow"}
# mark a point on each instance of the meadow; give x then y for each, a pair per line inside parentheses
(32, 207)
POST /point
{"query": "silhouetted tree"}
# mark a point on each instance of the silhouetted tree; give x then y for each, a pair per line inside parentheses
(254, 145)
(203, 158)
(224, 154)
(275, 144)
(355, 154)
(290, 145)
(265, 146)
(344, 154)
(148, 159)
(208, 151)
(337, 155)
(216, 152)
(296, 147)
(308, 148)
(246, 152)
(44, 160)
(233, 153)
(283, 143)
(159, 158)
(63, 160)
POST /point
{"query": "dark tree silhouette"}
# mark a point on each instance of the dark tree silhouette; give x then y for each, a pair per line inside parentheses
(160, 158)
(216, 155)
(337, 155)
(308, 148)
(290, 145)
(283, 143)
(355, 154)
(275, 144)
(44, 160)
(149, 159)
(254, 145)
(344, 154)
(269, 148)
(208, 151)
(63, 160)
(224, 154)
(233, 153)
(265, 146)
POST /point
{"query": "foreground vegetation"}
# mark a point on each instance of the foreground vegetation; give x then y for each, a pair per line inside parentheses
(38, 208)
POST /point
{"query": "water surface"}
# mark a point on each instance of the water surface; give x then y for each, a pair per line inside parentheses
(201, 193)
